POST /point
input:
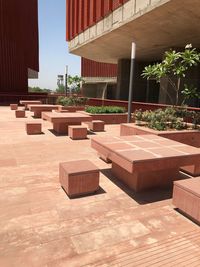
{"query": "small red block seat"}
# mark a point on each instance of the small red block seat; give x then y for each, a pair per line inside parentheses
(20, 113)
(79, 177)
(77, 132)
(96, 125)
(186, 197)
(33, 128)
(13, 106)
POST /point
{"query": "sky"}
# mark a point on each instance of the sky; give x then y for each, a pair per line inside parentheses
(54, 55)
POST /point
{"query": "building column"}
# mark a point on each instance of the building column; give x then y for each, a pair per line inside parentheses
(123, 78)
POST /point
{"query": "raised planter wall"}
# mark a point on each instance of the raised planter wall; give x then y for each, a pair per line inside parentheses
(71, 108)
(114, 118)
(135, 105)
(110, 118)
(7, 99)
(189, 137)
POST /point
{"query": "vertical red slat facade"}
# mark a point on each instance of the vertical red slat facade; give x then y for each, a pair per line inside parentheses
(18, 44)
(83, 14)
(89, 12)
(91, 68)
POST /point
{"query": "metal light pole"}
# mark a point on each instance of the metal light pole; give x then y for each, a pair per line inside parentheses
(66, 76)
(131, 81)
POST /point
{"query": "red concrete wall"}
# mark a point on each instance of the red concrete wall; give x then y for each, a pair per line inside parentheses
(91, 68)
(18, 44)
(135, 105)
(89, 12)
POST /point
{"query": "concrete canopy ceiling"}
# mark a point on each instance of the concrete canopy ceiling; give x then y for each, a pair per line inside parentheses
(172, 24)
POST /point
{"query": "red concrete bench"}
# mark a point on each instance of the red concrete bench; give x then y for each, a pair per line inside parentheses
(186, 197)
(29, 102)
(145, 161)
(193, 170)
(38, 109)
(20, 113)
(79, 177)
(13, 106)
(77, 132)
(61, 121)
(33, 128)
(96, 125)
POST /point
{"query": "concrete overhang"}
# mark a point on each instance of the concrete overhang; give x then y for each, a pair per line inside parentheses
(92, 80)
(154, 25)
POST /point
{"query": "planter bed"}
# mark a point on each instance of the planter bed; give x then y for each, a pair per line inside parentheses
(109, 118)
(188, 137)
(71, 108)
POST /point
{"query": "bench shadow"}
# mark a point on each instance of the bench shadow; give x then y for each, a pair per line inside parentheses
(56, 134)
(142, 198)
(35, 118)
(90, 132)
(187, 216)
(37, 133)
(98, 192)
(81, 139)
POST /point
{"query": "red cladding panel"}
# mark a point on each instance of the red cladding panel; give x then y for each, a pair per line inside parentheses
(116, 3)
(82, 14)
(18, 44)
(92, 12)
(99, 10)
(107, 7)
(86, 7)
(72, 19)
(91, 68)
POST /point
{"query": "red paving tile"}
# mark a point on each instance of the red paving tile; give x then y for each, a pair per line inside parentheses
(41, 226)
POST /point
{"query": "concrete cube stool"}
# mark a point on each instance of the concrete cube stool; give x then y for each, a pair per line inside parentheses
(33, 128)
(96, 125)
(77, 132)
(20, 113)
(13, 106)
(186, 197)
(79, 177)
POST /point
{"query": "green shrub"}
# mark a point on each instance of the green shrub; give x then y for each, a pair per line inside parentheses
(104, 109)
(168, 118)
(72, 101)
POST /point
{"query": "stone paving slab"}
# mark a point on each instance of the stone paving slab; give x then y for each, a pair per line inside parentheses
(41, 226)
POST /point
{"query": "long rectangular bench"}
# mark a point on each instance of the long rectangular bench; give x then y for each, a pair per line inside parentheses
(186, 197)
(145, 161)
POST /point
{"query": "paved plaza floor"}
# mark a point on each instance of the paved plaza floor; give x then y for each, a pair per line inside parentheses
(41, 226)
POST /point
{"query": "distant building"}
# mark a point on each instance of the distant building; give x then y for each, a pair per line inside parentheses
(19, 56)
(103, 31)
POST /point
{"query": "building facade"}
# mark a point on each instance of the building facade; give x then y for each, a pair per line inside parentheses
(103, 31)
(100, 79)
(19, 55)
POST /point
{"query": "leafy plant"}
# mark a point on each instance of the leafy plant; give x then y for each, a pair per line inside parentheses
(165, 119)
(72, 101)
(39, 90)
(73, 85)
(173, 67)
(104, 109)
(189, 92)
